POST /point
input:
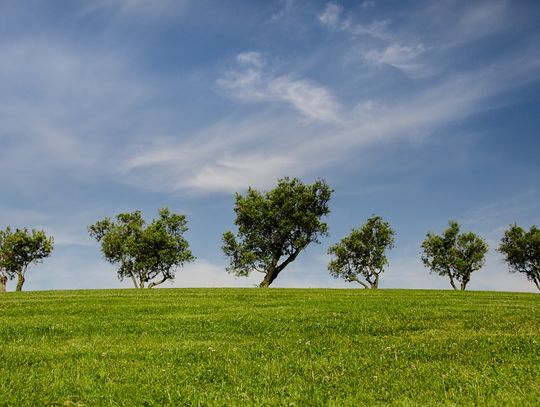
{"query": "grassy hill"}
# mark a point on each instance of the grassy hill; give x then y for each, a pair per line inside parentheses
(269, 347)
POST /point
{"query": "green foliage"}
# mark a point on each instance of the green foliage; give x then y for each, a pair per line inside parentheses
(521, 250)
(145, 253)
(453, 254)
(18, 250)
(275, 226)
(242, 347)
(362, 253)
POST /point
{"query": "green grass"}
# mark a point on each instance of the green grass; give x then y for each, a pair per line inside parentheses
(269, 347)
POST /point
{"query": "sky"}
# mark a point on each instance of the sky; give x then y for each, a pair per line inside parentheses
(418, 111)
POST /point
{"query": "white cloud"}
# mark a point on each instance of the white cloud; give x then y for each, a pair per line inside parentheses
(331, 16)
(402, 57)
(250, 82)
(376, 29)
(264, 147)
(251, 154)
(367, 4)
(251, 58)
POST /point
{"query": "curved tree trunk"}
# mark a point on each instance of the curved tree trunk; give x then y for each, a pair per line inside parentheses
(274, 270)
(452, 280)
(154, 284)
(3, 283)
(537, 283)
(269, 277)
(465, 280)
(375, 284)
(360, 282)
(20, 282)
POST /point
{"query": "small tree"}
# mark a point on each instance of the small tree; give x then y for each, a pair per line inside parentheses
(145, 253)
(18, 250)
(454, 255)
(275, 226)
(5, 274)
(362, 253)
(521, 250)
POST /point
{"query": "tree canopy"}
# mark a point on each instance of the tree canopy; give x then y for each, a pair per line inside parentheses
(362, 254)
(521, 251)
(145, 253)
(453, 254)
(18, 250)
(275, 226)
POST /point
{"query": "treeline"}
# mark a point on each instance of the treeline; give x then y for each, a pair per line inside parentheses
(273, 227)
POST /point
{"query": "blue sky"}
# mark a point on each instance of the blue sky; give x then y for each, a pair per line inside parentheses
(419, 111)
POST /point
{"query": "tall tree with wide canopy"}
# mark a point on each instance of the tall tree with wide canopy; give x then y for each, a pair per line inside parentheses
(20, 249)
(275, 226)
(453, 254)
(362, 254)
(147, 254)
(521, 251)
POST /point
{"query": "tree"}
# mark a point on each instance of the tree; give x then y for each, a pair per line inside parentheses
(275, 226)
(521, 250)
(362, 253)
(5, 274)
(454, 255)
(18, 250)
(145, 253)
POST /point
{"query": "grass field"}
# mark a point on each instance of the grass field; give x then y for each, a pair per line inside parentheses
(269, 347)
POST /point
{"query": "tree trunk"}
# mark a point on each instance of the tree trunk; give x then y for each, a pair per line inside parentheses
(154, 284)
(465, 281)
(274, 269)
(134, 280)
(452, 280)
(269, 277)
(360, 282)
(3, 283)
(20, 282)
(537, 282)
(375, 284)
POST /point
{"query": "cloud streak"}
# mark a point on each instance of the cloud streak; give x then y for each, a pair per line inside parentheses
(250, 82)
(255, 151)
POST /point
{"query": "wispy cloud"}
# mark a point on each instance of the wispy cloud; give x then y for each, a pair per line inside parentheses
(402, 57)
(256, 151)
(331, 17)
(250, 81)
(58, 107)
(137, 8)
(253, 153)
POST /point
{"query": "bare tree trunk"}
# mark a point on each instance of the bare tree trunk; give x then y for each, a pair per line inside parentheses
(20, 281)
(134, 280)
(537, 283)
(154, 284)
(274, 270)
(269, 277)
(375, 284)
(465, 281)
(360, 282)
(3, 283)
(452, 280)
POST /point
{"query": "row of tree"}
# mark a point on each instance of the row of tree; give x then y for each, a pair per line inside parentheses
(273, 227)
